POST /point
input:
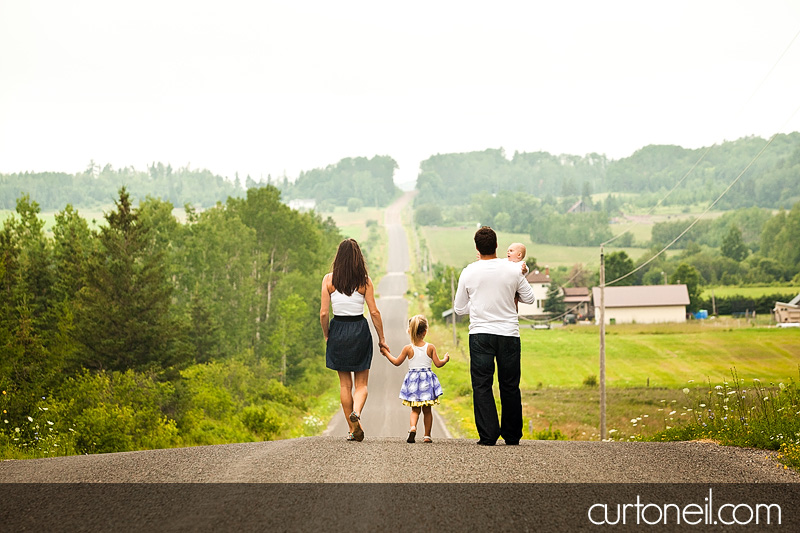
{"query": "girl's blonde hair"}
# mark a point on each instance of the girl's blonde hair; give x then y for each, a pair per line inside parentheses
(417, 328)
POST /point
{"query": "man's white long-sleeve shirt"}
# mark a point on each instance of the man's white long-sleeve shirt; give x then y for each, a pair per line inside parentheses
(486, 291)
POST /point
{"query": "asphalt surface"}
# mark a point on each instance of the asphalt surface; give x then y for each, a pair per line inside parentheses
(384, 484)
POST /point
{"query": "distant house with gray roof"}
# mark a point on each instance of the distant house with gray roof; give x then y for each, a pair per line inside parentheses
(642, 304)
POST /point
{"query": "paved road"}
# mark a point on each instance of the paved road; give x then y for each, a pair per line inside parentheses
(383, 484)
(384, 415)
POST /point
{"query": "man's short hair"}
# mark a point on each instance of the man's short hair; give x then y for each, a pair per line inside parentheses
(486, 241)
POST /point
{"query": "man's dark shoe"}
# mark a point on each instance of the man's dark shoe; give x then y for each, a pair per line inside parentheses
(512, 443)
(485, 443)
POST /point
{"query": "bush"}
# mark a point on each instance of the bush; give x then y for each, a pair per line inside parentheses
(428, 215)
(355, 204)
(118, 411)
(265, 421)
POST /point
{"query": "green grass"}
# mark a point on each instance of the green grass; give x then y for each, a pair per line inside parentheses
(556, 362)
(749, 292)
(454, 246)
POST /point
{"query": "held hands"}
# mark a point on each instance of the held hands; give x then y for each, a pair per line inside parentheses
(384, 348)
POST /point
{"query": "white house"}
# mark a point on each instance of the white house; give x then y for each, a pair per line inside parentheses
(540, 283)
(787, 312)
(302, 204)
(643, 304)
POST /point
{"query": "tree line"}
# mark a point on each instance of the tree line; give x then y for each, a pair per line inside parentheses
(351, 182)
(149, 332)
(453, 179)
(97, 186)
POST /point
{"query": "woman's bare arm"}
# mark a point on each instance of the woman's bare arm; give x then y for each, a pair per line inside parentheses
(325, 306)
(369, 296)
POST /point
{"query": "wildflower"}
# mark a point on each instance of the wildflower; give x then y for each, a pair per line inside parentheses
(782, 386)
(633, 421)
(612, 430)
(691, 381)
(49, 423)
(6, 421)
(702, 405)
(16, 430)
(671, 413)
(4, 392)
(718, 387)
(30, 419)
(766, 398)
(757, 380)
(686, 390)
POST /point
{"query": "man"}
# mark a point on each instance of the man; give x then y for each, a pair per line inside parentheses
(486, 292)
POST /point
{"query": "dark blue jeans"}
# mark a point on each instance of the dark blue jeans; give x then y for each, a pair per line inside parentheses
(484, 350)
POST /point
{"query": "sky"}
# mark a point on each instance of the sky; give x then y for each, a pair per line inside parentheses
(274, 88)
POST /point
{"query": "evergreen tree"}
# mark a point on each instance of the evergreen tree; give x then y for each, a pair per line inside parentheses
(124, 318)
(617, 265)
(554, 304)
(733, 246)
(689, 276)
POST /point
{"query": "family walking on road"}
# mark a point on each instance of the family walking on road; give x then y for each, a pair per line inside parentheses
(488, 290)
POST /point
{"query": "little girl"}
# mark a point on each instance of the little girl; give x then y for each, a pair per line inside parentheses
(421, 388)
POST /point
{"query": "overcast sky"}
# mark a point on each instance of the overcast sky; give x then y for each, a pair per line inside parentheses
(279, 87)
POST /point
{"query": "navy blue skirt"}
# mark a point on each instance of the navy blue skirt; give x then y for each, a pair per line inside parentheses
(349, 346)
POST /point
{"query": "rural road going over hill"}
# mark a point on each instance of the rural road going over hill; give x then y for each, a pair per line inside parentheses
(383, 484)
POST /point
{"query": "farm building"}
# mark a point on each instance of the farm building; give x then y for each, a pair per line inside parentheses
(540, 283)
(786, 313)
(578, 301)
(643, 304)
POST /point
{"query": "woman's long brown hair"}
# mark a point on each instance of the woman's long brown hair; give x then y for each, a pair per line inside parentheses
(349, 269)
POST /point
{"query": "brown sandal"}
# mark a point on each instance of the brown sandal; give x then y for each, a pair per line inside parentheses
(358, 433)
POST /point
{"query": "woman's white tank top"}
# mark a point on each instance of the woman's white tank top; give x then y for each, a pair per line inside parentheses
(344, 305)
(420, 361)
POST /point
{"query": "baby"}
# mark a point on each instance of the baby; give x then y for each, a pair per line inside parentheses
(516, 253)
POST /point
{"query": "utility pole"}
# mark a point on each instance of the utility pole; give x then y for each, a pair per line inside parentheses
(602, 344)
(713, 303)
(453, 303)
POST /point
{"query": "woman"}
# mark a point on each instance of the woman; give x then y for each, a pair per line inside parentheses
(349, 341)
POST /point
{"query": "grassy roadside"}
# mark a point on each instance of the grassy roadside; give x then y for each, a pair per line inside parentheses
(556, 363)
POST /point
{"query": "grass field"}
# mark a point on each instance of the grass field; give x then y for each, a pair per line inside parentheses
(750, 292)
(556, 362)
(454, 246)
(354, 224)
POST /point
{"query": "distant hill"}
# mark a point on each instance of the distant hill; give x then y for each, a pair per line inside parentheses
(453, 179)
(95, 186)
